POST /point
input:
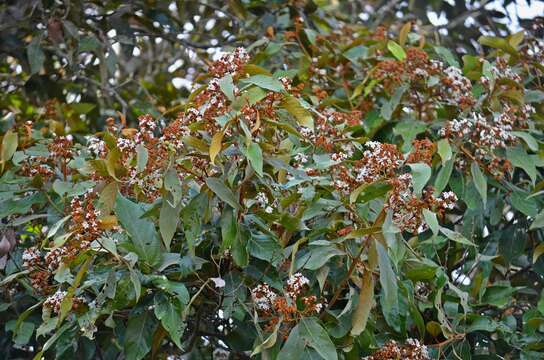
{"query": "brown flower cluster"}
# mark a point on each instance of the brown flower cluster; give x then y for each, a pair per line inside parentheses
(480, 137)
(411, 350)
(54, 301)
(289, 308)
(422, 153)
(60, 153)
(39, 275)
(449, 86)
(407, 208)
(416, 66)
(84, 228)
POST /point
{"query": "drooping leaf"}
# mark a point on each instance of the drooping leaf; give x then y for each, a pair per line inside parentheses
(388, 281)
(255, 156)
(366, 301)
(192, 216)
(479, 181)
(168, 221)
(142, 231)
(139, 335)
(215, 146)
(222, 191)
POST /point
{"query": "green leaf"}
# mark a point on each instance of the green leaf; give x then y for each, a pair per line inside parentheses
(388, 281)
(316, 337)
(519, 158)
(172, 184)
(397, 50)
(168, 221)
(498, 43)
(173, 287)
(479, 181)
(455, 236)
(265, 82)
(319, 256)
(421, 173)
(499, 295)
(255, 156)
(443, 176)
(141, 158)
(135, 280)
(139, 335)
(24, 333)
(227, 87)
(52, 340)
(222, 191)
(191, 216)
(538, 222)
(444, 150)
(447, 55)
(294, 345)
(145, 239)
(534, 96)
(35, 54)
(521, 201)
(88, 43)
(229, 229)
(389, 106)
(355, 53)
(531, 142)
(239, 247)
(365, 193)
(431, 220)
(82, 108)
(66, 304)
(299, 112)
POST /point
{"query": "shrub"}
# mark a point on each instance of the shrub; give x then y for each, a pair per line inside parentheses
(332, 196)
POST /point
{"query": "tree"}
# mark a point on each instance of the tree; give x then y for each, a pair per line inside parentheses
(328, 191)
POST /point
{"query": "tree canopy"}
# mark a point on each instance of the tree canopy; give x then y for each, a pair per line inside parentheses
(270, 180)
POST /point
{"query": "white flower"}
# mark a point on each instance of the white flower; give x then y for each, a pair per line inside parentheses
(218, 282)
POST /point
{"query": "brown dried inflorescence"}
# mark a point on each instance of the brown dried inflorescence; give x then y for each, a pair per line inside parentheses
(422, 152)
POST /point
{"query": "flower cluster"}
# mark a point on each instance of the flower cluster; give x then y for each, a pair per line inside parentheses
(290, 308)
(263, 297)
(458, 88)
(84, 228)
(61, 147)
(33, 262)
(54, 301)
(407, 208)
(422, 152)
(229, 63)
(379, 160)
(85, 219)
(31, 257)
(262, 201)
(484, 137)
(411, 350)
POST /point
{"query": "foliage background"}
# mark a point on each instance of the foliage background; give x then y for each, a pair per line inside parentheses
(467, 288)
